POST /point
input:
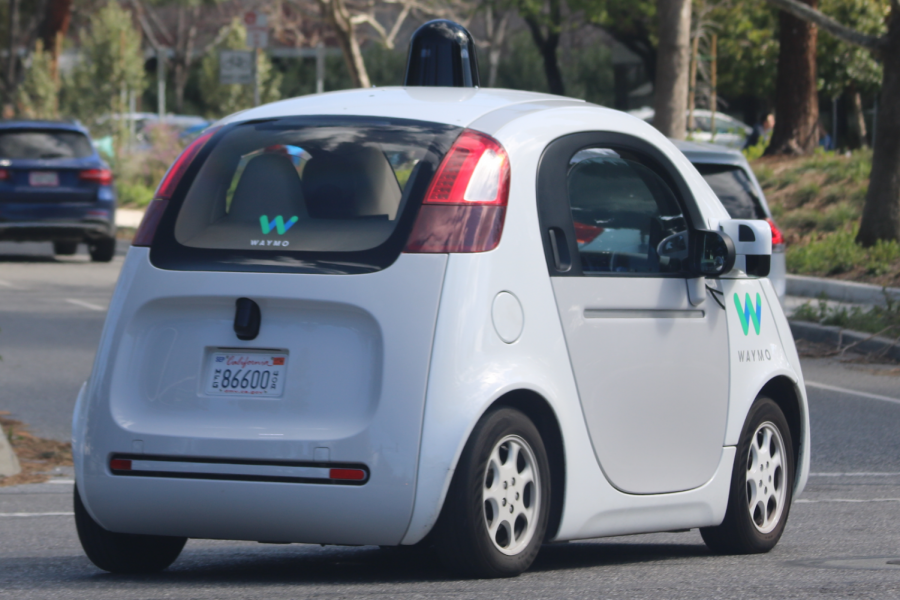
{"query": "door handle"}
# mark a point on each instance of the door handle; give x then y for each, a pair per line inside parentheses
(562, 262)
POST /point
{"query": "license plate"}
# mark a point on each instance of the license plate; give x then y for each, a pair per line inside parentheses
(258, 374)
(43, 179)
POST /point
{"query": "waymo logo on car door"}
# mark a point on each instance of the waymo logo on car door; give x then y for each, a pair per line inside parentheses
(749, 312)
(278, 225)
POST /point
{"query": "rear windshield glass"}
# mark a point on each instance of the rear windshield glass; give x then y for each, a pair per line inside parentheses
(306, 186)
(734, 189)
(37, 144)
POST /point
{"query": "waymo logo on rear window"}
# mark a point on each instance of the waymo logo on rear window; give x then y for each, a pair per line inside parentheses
(748, 313)
(276, 223)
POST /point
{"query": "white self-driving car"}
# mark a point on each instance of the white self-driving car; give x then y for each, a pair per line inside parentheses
(470, 318)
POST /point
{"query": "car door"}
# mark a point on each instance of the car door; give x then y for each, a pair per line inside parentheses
(650, 367)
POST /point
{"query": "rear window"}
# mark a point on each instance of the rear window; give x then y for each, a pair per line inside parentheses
(734, 189)
(44, 144)
(315, 193)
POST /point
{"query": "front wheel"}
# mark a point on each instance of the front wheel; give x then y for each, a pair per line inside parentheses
(496, 511)
(761, 485)
(124, 552)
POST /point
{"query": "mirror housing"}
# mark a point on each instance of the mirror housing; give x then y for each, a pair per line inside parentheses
(712, 253)
(752, 244)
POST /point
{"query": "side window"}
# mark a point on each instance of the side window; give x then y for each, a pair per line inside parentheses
(621, 210)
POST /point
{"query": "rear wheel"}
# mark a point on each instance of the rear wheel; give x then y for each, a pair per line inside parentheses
(65, 248)
(124, 552)
(495, 514)
(761, 485)
(102, 250)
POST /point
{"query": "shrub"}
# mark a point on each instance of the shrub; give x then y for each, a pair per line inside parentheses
(838, 253)
(134, 193)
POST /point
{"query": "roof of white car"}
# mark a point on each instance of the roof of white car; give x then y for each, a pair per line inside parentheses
(452, 106)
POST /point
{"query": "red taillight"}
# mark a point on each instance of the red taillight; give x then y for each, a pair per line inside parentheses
(777, 237)
(120, 464)
(147, 230)
(465, 205)
(101, 176)
(347, 474)
(4, 174)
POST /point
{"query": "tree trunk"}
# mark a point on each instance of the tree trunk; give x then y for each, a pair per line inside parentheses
(796, 101)
(673, 58)
(339, 18)
(11, 49)
(881, 214)
(548, 44)
(857, 123)
(56, 21)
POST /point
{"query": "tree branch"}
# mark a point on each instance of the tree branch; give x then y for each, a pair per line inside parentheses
(847, 34)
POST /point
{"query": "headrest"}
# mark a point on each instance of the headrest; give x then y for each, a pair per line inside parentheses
(270, 186)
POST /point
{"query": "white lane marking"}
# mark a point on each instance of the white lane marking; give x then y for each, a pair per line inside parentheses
(846, 500)
(854, 474)
(62, 481)
(8, 284)
(44, 514)
(84, 304)
(832, 388)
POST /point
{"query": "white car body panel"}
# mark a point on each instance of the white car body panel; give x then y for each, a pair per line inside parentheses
(444, 364)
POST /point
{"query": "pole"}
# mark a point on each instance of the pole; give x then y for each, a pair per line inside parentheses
(712, 93)
(834, 123)
(161, 83)
(132, 124)
(320, 68)
(692, 85)
(256, 77)
(874, 121)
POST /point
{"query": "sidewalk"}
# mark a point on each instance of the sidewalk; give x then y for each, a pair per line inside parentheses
(802, 290)
(129, 217)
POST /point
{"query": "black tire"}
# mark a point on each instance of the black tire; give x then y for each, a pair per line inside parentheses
(124, 552)
(102, 250)
(751, 532)
(65, 248)
(461, 535)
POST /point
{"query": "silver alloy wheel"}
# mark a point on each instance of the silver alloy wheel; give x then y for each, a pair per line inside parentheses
(512, 496)
(766, 477)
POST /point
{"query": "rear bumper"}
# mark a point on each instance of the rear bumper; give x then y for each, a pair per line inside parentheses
(48, 231)
(265, 511)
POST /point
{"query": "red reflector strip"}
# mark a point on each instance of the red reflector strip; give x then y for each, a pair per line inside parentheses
(347, 474)
(120, 464)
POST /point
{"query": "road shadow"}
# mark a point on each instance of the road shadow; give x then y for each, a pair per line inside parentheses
(308, 565)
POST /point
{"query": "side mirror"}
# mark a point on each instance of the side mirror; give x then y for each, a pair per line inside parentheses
(674, 247)
(712, 253)
(752, 243)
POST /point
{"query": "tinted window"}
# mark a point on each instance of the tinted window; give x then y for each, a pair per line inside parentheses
(734, 189)
(37, 144)
(622, 210)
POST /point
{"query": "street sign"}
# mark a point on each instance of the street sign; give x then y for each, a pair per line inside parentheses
(257, 25)
(236, 66)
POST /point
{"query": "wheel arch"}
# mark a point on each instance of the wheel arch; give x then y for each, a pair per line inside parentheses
(538, 409)
(784, 392)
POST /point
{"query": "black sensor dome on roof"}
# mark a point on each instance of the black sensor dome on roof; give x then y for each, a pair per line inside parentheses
(442, 53)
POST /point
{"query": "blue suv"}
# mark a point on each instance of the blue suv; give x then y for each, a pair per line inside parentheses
(55, 187)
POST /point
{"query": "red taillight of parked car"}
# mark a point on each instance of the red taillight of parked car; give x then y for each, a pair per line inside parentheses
(777, 237)
(101, 176)
(4, 174)
(156, 208)
(465, 205)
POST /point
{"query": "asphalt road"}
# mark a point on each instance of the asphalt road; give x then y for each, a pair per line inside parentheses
(841, 535)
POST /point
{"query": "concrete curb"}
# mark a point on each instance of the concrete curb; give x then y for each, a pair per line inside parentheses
(842, 291)
(841, 338)
(9, 463)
